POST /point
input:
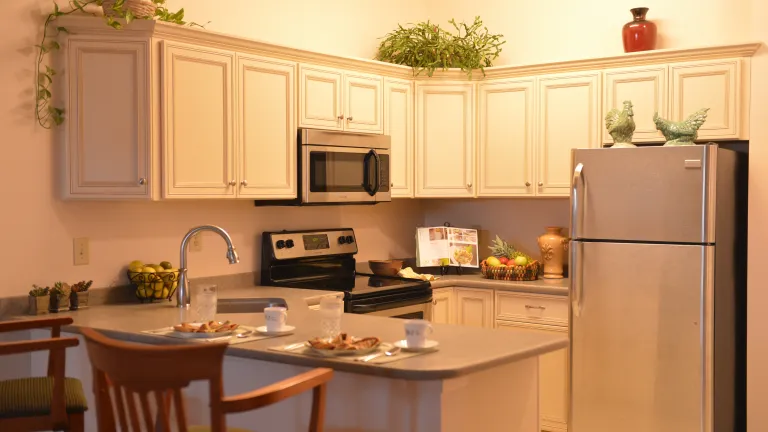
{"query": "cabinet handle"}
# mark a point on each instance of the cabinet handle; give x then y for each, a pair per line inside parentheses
(527, 184)
(349, 118)
(244, 182)
(232, 182)
(341, 117)
(391, 185)
(434, 302)
(469, 185)
(142, 181)
(541, 184)
(535, 307)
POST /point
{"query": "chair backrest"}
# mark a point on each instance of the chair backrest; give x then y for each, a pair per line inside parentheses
(141, 383)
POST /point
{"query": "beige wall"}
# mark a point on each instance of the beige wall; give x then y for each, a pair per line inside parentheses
(36, 228)
(757, 293)
(549, 30)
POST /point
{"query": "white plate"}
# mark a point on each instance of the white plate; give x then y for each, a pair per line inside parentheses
(285, 330)
(347, 353)
(189, 335)
(430, 345)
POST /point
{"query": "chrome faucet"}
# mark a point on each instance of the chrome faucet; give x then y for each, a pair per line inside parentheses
(182, 291)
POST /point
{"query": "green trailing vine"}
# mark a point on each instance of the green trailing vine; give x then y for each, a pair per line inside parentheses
(48, 115)
(426, 47)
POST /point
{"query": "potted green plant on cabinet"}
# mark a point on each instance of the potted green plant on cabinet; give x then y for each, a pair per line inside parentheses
(60, 297)
(79, 297)
(39, 300)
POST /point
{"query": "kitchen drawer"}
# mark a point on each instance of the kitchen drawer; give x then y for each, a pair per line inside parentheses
(532, 308)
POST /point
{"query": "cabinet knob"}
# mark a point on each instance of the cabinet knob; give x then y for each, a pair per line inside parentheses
(541, 184)
(244, 182)
(469, 185)
(142, 181)
(434, 302)
(341, 117)
(349, 118)
(527, 183)
(232, 182)
(391, 185)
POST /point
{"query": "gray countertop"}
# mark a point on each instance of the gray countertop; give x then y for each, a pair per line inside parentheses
(463, 350)
(541, 286)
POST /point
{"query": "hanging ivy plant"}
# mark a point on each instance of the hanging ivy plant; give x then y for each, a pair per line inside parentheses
(426, 47)
(48, 115)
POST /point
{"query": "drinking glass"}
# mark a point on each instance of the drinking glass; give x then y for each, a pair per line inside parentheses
(204, 299)
(331, 309)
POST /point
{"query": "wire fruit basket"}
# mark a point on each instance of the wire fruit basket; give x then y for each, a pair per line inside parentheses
(154, 286)
(528, 272)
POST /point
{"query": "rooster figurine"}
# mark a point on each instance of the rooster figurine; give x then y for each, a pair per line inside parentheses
(621, 125)
(681, 133)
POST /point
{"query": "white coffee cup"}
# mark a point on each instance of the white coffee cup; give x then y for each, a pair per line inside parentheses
(416, 332)
(275, 317)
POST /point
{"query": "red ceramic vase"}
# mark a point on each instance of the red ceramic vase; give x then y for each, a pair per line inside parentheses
(639, 34)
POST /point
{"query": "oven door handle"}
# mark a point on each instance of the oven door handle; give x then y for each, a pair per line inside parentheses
(376, 307)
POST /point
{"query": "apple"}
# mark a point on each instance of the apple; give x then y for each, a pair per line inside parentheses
(504, 260)
(493, 261)
(521, 261)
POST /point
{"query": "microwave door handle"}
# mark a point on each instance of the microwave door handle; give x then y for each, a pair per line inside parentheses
(367, 174)
(377, 175)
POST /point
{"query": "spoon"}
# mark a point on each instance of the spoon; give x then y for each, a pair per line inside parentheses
(244, 334)
(389, 353)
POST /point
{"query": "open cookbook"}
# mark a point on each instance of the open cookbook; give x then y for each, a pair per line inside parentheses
(446, 246)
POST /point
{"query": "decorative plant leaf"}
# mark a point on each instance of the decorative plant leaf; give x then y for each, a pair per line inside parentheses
(62, 30)
(54, 45)
(129, 16)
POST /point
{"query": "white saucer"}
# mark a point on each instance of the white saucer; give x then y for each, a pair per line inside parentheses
(285, 330)
(430, 345)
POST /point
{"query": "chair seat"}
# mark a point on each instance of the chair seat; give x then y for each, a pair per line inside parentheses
(31, 397)
(208, 429)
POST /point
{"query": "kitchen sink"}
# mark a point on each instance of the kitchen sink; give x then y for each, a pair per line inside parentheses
(248, 305)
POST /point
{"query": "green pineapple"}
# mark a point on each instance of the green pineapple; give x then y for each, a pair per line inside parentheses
(501, 248)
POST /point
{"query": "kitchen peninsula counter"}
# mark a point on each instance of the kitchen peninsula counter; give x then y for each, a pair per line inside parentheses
(476, 280)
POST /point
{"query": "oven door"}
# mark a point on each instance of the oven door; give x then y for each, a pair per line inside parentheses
(345, 174)
(414, 308)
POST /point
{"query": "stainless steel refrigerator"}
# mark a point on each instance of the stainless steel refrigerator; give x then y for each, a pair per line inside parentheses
(657, 289)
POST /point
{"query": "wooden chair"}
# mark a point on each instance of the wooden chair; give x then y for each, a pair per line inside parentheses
(41, 403)
(139, 376)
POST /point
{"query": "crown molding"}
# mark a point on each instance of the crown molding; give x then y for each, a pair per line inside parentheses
(87, 25)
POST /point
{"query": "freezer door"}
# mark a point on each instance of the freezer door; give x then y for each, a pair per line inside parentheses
(663, 194)
(639, 334)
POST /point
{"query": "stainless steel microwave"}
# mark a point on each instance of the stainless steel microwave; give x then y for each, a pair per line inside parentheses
(340, 168)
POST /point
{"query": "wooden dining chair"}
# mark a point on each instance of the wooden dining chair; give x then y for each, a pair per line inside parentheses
(41, 403)
(142, 383)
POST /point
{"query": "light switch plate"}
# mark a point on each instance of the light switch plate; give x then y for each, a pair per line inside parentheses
(82, 255)
(196, 243)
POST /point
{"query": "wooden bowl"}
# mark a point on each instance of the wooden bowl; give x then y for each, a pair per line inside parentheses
(385, 267)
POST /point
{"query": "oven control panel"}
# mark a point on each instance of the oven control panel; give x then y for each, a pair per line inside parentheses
(305, 244)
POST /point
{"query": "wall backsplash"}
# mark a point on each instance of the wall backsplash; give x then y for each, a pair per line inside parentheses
(518, 221)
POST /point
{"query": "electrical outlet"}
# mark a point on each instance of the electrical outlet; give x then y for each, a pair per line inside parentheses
(196, 243)
(81, 251)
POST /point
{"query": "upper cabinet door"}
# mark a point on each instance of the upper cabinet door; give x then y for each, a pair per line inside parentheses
(568, 118)
(505, 148)
(398, 124)
(714, 85)
(266, 128)
(108, 136)
(198, 122)
(362, 103)
(445, 140)
(647, 88)
(320, 103)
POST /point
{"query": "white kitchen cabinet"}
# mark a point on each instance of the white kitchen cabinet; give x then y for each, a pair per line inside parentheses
(198, 121)
(266, 128)
(715, 85)
(320, 103)
(107, 150)
(506, 144)
(647, 88)
(445, 148)
(569, 108)
(474, 307)
(398, 124)
(553, 378)
(338, 100)
(444, 306)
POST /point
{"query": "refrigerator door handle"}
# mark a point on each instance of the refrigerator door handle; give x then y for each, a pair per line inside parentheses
(577, 277)
(576, 196)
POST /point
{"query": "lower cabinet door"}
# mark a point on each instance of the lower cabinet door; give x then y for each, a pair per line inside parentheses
(553, 378)
(443, 306)
(474, 307)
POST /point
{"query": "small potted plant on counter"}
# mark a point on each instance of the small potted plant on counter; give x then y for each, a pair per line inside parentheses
(79, 297)
(39, 300)
(59, 297)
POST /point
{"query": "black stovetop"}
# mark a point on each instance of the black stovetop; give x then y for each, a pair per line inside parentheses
(359, 286)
